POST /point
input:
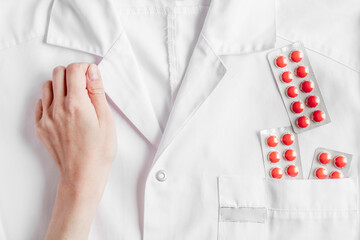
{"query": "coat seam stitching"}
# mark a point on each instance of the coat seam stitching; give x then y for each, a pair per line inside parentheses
(171, 46)
(15, 42)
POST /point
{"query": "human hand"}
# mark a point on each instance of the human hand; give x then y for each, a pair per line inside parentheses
(75, 123)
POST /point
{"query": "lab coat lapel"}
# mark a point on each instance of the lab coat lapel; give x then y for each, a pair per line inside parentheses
(94, 27)
(123, 84)
(226, 31)
(203, 74)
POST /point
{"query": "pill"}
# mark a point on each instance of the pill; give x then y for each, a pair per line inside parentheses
(301, 71)
(312, 101)
(274, 156)
(340, 161)
(292, 91)
(307, 86)
(321, 173)
(318, 116)
(276, 172)
(297, 107)
(287, 77)
(288, 139)
(272, 141)
(292, 170)
(324, 158)
(290, 155)
(336, 175)
(281, 61)
(296, 56)
(303, 122)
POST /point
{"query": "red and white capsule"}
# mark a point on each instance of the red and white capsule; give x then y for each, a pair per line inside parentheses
(312, 101)
(321, 173)
(274, 156)
(290, 155)
(324, 158)
(336, 175)
(281, 61)
(288, 139)
(301, 71)
(296, 56)
(276, 172)
(292, 92)
(287, 77)
(297, 107)
(302, 122)
(272, 141)
(318, 116)
(307, 86)
(340, 161)
(292, 170)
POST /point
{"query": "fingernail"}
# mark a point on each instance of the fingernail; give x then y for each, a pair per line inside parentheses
(93, 72)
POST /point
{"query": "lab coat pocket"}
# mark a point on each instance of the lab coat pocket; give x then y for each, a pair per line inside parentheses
(242, 211)
(312, 209)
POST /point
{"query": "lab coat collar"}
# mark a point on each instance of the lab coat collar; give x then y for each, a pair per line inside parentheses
(90, 26)
(93, 27)
(125, 86)
(231, 27)
(203, 74)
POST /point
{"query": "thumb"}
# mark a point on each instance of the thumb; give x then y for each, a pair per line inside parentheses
(95, 88)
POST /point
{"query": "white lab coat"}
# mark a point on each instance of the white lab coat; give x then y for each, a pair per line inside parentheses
(190, 87)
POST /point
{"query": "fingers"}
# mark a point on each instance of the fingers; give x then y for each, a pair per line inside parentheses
(76, 79)
(59, 84)
(95, 87)
(38, 110)
(47, 95)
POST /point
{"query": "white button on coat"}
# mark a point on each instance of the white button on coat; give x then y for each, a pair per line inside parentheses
(190, 88)
(161, 176)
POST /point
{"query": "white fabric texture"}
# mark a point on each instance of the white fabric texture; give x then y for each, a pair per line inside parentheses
(190, 88)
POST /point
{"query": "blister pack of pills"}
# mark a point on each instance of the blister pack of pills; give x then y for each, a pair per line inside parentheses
(330, 164)
(298, 87)
(281, 153)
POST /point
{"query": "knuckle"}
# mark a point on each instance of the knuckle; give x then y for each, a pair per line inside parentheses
(76, 67)
(96, 91)
(84, 66)
(38, 126)
(72, 106)
(59, 69)
(38, 132)
(72, 67)
(96, 88)
(46, 124)
(46, 85)
(58, 112)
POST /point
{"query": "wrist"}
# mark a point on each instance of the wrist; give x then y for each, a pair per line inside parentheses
(89, 181)
(73, 211)
(80, 191)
